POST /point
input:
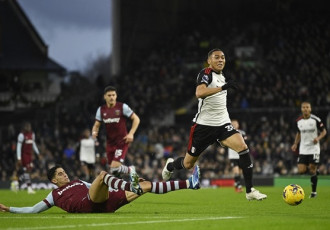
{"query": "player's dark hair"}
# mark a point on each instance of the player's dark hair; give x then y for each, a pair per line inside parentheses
(25, 125)
(51, 172)
(109, 88)
(306, 102)
(213, 50)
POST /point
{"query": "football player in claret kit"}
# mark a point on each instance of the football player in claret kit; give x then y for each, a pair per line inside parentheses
(310, 130)
(106, 194)
(26, 146)
(114, 115)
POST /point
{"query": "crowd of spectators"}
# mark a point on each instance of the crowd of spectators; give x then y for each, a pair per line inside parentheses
(289, 63)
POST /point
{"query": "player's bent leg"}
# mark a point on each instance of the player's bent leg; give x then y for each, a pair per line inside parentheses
(186, 162)
(144, 185)
(117, 183)
(117, 168)
(189, 161)
(99, 191)
(235, 142)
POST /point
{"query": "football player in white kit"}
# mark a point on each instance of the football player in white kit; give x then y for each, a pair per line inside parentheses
(212, 124)
(310, 130)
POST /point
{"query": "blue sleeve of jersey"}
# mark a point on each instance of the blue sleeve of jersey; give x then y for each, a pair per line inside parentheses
(20, 140)
(39, 207)
(88, 185)
(127, 111)
(98, 114)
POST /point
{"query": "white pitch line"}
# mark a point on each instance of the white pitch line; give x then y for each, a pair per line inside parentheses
(127, 223)
(65, 217)
(75, 217)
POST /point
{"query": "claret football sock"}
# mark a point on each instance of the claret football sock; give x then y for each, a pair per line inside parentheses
(168, 186)
(116, 183)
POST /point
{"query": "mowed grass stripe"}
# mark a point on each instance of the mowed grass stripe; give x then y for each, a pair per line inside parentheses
(126, 223)
(164, 211)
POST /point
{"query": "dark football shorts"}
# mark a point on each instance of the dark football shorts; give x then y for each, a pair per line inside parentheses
(309, 159)
(89, 166)
(201, 136)
(234, 162)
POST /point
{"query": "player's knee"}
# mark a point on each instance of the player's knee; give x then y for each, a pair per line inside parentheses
(101, 175)
(242, 146)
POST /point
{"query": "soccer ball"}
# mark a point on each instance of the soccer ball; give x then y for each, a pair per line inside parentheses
(293, 194)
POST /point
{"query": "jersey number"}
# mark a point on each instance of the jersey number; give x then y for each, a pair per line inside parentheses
(118, 152)
(316, 158)
(229, 127)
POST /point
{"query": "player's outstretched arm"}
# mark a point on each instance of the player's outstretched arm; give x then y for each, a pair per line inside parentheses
(4, 208)
(39, 207)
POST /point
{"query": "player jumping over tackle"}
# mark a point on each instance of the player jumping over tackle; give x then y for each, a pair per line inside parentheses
(212, 124)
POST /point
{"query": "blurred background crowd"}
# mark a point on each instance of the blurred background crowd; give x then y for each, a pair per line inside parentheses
(278, 60)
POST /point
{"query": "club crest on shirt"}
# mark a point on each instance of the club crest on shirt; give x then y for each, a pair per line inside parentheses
(117, 112)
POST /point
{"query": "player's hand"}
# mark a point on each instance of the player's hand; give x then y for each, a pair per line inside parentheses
(18, 164)
(294, 147)
(94, 135)
(230, 84)
(315, 141)
(97, 143)
(4, 208)
(129, 138)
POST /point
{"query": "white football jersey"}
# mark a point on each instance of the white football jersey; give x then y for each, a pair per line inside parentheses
(87, 150)
(308, 129)
(212, 110)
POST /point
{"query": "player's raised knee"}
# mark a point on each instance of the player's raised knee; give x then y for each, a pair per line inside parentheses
(101, 175)
(241, 147)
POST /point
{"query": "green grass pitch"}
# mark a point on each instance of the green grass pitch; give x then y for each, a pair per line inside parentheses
(207, 209)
